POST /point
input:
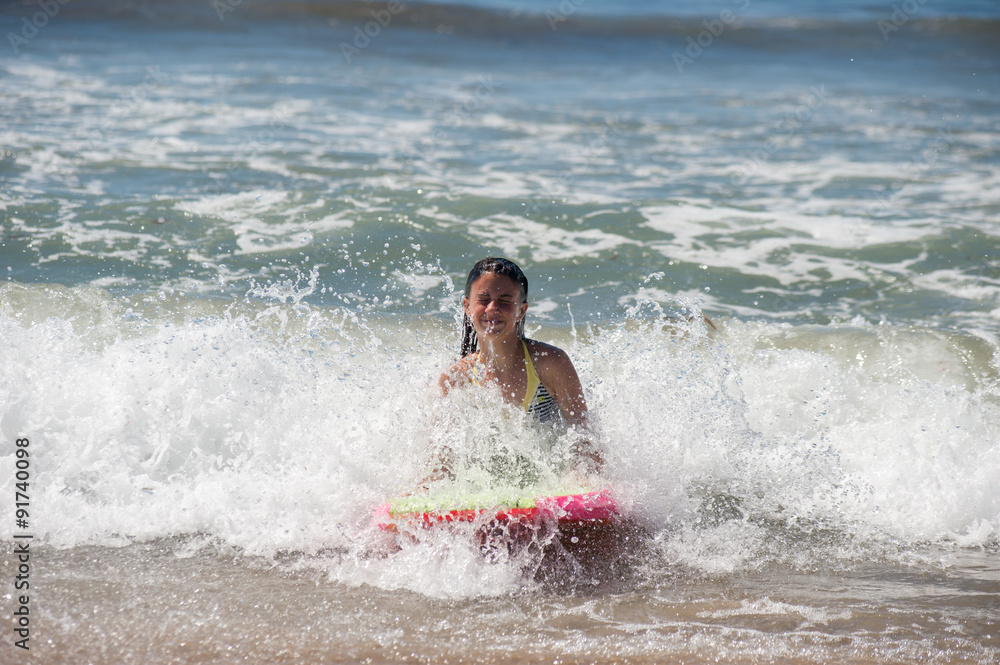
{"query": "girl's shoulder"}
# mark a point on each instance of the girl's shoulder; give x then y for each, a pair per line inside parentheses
(547, 357)
(556, 372)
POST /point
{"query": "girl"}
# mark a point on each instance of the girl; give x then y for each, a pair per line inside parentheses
(495, 353)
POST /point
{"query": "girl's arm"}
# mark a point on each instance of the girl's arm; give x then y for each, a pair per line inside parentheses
(558, 375)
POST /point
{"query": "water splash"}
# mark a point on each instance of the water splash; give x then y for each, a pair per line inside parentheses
(278, 426)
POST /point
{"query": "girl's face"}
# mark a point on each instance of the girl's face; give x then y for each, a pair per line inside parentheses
(494, 306)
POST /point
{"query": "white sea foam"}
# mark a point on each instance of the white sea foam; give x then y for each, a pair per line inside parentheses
(277, 426)
(520, 237)
(765, 606)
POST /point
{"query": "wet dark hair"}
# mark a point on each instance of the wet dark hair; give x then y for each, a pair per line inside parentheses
(494, 266)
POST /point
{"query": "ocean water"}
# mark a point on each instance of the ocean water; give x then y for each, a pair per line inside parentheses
(233, 236)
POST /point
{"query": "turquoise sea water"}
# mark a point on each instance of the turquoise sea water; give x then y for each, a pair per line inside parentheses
(232, 239)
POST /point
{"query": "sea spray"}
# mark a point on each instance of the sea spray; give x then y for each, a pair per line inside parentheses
(271, 426)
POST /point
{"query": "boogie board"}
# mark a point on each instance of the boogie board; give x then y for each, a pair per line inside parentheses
(566, 507)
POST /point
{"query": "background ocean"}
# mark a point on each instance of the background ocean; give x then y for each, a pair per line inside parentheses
(233, 235)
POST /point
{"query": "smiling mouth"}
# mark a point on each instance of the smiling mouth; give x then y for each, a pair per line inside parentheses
(491, 325)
